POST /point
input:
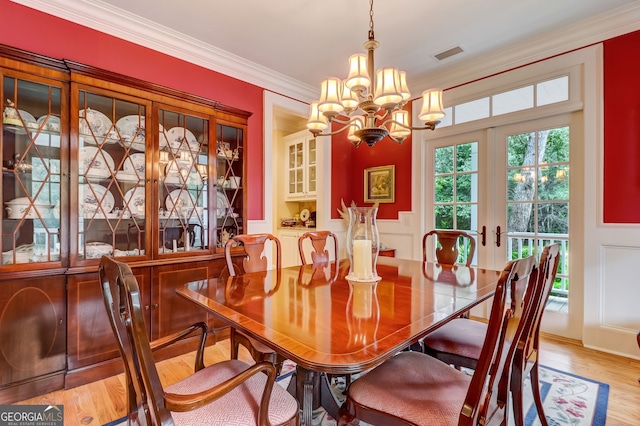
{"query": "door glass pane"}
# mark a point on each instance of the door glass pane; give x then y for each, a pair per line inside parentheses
(537, 196)
(112, 173)
(183, 214)
(230, 187)
(456, 186)
(31, 177)
(312, 178)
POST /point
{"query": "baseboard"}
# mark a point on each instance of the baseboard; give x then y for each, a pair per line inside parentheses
(26, 389)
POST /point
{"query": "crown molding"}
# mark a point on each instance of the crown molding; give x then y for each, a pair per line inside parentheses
(116, 22)
(119, 23)
(611, 24)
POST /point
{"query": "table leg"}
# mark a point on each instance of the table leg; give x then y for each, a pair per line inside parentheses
(312, 389)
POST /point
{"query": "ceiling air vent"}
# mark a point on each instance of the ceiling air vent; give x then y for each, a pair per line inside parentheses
(447, 53)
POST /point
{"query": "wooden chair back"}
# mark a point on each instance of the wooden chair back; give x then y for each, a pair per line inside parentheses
(254, 248)
(525, 361)
(124, 307)
(547, 270)
(318, 240)
(447, 251)
(488, 392)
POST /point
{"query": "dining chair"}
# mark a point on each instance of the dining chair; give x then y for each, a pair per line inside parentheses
(228, 392)
(459, 342)
(319, 242)
(254, 261)
(413, 388)
(447, 250)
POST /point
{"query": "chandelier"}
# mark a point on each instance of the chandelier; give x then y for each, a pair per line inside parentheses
(371, 109)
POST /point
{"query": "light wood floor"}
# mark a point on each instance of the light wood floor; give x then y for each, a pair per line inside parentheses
(103, 401)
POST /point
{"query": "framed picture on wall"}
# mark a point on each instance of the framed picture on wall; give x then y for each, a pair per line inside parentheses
(380, 184)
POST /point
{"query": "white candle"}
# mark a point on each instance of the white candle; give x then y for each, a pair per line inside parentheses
(362, 260)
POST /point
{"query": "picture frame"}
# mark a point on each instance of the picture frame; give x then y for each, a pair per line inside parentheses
(380, 184)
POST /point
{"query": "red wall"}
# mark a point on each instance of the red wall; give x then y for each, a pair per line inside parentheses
(31, 30)
(41, 33)
(348, 164)
(622, 129)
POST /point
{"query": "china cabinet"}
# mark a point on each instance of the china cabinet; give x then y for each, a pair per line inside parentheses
(96, 163)
(300, 179)
(34, 151)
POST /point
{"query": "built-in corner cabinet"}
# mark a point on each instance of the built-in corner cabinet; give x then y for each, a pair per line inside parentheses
(300, 162)
(93, 164)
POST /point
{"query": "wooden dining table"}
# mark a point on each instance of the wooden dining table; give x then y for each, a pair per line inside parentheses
(328, 325)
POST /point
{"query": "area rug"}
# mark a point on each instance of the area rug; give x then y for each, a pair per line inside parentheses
(568, 399)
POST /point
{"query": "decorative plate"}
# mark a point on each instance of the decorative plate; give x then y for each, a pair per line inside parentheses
(174, 167)
(19, 118)
(99, 198)
(135, 164)
(123, 176)
(181, 139)
(95, 162)
(222, 204)
(132, 131)
(134, 200)
(178, 199)
(94, 126)
(49, 123)
(98, 249)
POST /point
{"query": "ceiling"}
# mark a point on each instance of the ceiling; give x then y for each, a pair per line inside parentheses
(289, 46)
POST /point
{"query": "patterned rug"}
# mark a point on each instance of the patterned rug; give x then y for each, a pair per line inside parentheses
(568, 399)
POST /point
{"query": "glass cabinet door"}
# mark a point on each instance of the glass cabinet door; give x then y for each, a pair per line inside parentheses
(112, 159)
(31, 171)
(183, 216)
(229, 184)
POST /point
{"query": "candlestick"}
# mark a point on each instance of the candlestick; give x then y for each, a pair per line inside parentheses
(363, 243)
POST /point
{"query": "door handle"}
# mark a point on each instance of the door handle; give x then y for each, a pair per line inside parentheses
(483, 233)
(498, 236)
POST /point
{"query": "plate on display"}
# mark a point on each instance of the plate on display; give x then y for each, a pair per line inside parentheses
(132, 130)
(176, 167)
(135, 164)
(94, 197)
(21, 119)
(94, 126)
(179, 199)
(134, 199)
(49, 123)
(95, 162)
(304, 215)
(96, 250)
(182, 140)
(123, 176)
(222, 204)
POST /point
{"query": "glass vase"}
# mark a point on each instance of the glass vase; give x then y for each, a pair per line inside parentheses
(363, 243)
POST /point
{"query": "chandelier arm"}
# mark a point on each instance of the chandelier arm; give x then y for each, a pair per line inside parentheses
(346, 123)
(397, 140)
(333, 133)
(429, 125)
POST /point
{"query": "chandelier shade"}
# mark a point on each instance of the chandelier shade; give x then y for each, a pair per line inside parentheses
(370, 105)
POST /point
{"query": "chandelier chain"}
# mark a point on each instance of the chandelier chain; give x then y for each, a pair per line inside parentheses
(371, 36)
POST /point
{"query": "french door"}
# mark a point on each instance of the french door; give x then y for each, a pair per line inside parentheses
(510, 188)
